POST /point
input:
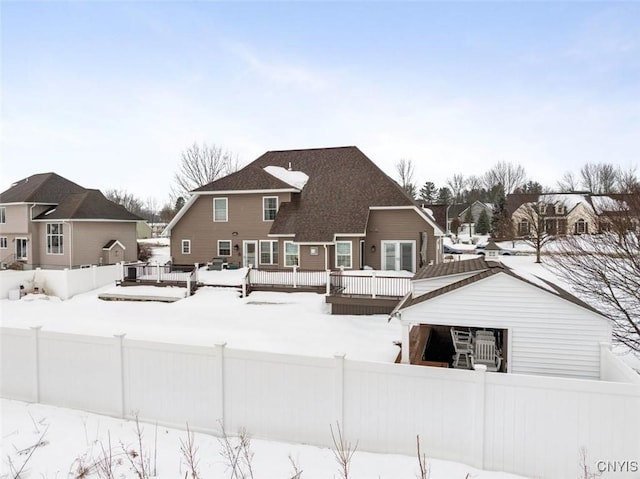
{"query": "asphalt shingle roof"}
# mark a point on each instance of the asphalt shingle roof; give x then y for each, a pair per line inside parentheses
(71, 200)
(40, 188)
(88, 205)
(343, 183)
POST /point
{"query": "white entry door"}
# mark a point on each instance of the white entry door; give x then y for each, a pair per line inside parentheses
(250, 253)
(399, 255)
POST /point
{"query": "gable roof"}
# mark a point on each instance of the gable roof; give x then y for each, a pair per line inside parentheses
(48, 188)
(342, 185)
(87, 205)
(569, 200)
(485, 269)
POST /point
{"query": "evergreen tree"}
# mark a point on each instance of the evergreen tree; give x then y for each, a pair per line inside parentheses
(444, 196)
(484, 224)
(428, 192)
(501, 225)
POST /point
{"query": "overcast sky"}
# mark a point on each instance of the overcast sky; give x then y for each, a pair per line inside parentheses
(108, 94)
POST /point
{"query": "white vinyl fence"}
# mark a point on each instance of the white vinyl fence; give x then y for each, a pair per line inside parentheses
(63, 283)
(534, 426)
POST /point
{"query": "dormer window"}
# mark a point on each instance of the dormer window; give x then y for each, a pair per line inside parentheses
(560, 209)
(581, 226)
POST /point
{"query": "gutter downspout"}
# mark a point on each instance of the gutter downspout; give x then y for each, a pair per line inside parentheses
(326, 258)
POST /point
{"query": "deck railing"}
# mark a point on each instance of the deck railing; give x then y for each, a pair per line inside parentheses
(374, 285)
(160, 273)
(291, 277)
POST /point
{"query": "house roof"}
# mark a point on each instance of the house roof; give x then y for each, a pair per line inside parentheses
(87, 205)
(342, 186)
(451, 268)
(485, 269)
(40, 188)
(569, 200)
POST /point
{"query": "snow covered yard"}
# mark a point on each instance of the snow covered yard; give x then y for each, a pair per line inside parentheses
(69, 439)
(294, 323)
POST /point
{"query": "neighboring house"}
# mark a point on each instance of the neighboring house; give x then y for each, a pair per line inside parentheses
(540, 328)
(49, 221)
(319, 209)
(461, 211)
(144, 230)
(559, 213)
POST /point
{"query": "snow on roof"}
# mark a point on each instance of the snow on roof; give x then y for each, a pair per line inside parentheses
(569, 200)
(604, 204)
(297, 179)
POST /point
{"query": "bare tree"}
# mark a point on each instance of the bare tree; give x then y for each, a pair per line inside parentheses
(568, 182)
(599, 177)
(456, 184)
(406, 170)
(536, 223)
(627, 180)
(604, 269)
(126, 199)
(508, 175)
(200, 165)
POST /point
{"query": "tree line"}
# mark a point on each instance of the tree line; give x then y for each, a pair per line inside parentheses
(505, 178)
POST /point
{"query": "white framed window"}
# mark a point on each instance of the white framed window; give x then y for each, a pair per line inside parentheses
(3, 214)
(268, 252)
(186, 246)
(224, 247)
(220, 209)
(581, 226)
(343, 254)
(523, 228)
(55, 238)
(269, 208)
(3, 242)
(291, 253)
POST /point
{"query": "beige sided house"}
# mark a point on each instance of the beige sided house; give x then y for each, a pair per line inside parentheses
(50, 222)
(563, 213)
(318, 209)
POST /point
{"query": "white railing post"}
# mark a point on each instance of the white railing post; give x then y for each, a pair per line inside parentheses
(157, 272)
(406, 341)
(122, 275)
(195, 277)
(295, 276)
(189, 286)
(328, 280)
(374, 285)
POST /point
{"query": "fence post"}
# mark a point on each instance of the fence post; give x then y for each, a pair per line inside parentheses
(122, 270)
(195, 277)
(157, 272)
(67, 279)
(120, 349)
(221, 385)
(295, 276)
(338, 409)
(36, 352)
(94, 274)
(328, 279)
(480, 412)
(374, 285)
(189, 286)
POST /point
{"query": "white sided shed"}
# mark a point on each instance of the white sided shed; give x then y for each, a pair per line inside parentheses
(549, 331)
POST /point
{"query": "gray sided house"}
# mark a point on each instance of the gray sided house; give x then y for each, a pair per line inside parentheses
(48, 221)
(318, 209)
